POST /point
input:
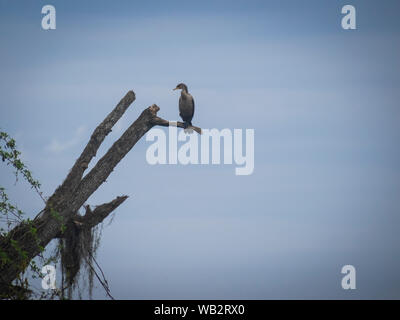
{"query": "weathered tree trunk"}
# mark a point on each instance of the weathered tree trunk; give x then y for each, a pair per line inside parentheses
(62, 207)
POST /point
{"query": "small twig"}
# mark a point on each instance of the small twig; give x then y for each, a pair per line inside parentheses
(164, 123)
(103, 283)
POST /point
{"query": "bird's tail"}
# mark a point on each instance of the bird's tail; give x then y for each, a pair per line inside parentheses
(188, 130)
(188, 127)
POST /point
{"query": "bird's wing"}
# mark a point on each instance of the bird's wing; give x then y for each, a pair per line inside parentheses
(181, 107)
(192, 107)
(186, 107)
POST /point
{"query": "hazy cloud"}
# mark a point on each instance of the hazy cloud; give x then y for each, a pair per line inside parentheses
(56, 146)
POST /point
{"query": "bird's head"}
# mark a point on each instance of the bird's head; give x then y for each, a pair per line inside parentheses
(182, 86)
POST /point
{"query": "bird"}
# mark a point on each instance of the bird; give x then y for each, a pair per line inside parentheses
(186, 106)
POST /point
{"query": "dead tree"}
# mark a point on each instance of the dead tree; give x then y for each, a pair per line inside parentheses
(61, 210)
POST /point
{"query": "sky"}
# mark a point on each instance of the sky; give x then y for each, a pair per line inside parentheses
(323, 103)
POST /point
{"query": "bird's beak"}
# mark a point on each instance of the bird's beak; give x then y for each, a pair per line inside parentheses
(175, 89)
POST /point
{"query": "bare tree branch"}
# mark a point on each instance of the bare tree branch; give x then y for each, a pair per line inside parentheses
(97, 137)
(113, 156)
(164, 123)
(93, 218)
(68, 198)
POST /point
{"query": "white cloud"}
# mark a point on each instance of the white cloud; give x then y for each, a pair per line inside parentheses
(56, 146)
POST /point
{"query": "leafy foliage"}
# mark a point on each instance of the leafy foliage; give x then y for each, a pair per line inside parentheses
(11, 215)
(10, 155)
(77, 244)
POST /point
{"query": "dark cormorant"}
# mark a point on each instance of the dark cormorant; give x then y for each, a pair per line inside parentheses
(186, 105)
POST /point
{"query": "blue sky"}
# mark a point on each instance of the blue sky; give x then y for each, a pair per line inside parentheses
(323, 102)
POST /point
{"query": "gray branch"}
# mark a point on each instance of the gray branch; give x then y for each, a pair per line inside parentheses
(93, 217)
(164, 123)
(71, 195)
